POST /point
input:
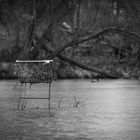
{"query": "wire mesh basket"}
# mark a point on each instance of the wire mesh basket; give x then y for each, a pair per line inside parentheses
(35, 71)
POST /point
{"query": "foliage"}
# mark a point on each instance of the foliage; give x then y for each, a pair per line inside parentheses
(112, 25)
(5, 56)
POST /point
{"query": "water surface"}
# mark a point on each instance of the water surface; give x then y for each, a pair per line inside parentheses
(111, 111)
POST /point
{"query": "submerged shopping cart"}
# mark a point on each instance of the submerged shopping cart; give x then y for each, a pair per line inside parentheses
(32, 72)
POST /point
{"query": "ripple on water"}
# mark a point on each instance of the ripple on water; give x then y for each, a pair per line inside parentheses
(110, 112)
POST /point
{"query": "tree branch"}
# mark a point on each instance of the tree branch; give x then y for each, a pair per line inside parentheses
(83, 66)
(86, 67)
(134, 36)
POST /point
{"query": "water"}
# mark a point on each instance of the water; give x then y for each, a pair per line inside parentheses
(111, 111)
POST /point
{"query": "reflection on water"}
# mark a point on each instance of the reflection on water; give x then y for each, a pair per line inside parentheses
(111, 112)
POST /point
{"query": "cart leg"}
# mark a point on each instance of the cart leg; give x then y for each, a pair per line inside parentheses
(49, 105)
(20, 92)
(27, 90)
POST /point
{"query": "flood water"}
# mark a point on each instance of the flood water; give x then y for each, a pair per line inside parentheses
(110, 111)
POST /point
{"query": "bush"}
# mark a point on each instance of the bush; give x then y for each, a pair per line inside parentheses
(5, 56)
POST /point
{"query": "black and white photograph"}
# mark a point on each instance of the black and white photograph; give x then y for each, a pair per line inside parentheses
(69, 69)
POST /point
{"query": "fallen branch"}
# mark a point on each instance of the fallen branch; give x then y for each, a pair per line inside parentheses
(77, 102)
(83, 66)
(59, 102)
(96, 35)
(86, 67)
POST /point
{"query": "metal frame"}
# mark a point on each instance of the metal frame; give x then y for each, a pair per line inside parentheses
(24, 89)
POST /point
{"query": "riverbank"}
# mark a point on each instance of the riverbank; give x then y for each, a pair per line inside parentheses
(9, 71)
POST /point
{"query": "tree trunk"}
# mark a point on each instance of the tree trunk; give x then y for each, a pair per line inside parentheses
(32, 30)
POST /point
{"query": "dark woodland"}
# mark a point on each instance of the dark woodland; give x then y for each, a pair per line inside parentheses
(86, 39)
